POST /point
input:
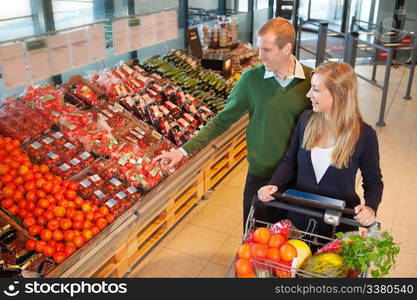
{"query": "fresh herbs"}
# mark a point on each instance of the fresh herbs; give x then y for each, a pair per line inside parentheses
(360, 252)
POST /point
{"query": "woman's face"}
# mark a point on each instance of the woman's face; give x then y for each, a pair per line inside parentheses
(319, 95)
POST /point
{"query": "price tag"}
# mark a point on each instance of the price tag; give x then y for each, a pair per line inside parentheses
(85, 183)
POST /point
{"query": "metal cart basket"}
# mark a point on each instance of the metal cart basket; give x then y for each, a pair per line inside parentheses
(331, 210)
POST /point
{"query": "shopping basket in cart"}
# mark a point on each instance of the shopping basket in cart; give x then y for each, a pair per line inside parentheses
(332, 211)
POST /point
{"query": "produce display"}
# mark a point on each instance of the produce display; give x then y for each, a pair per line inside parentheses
(14, 121)
(47, 205)
(176, 115)
(17, 261)
(279, 252)
(244, 56)
(206, 85)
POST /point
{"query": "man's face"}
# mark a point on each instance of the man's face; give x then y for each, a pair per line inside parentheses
(269, 53)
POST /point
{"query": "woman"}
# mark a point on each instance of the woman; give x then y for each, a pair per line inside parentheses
(330, 143)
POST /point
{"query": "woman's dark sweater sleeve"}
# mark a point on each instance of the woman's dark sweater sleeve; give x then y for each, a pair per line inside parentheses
(371, 173)
(287, 167)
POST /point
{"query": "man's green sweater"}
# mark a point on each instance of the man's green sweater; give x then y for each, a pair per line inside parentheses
(273, 113)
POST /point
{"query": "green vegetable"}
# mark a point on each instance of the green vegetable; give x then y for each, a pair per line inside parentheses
(360, 252)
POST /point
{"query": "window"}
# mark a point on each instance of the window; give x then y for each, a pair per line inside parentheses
(72, 13)
(16, 20)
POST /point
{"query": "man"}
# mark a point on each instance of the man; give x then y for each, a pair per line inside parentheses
(274, 95)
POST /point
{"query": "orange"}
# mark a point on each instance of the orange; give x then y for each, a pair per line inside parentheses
(276, 240)
(259, 250)
(243, 267)
(261, 235)
(244, 251)
(287, 252)
(273, 254)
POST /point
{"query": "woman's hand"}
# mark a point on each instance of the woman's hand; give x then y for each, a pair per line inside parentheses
(364, 215)
(265, 192)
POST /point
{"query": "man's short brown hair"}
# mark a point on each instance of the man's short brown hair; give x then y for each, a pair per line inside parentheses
(282, 29)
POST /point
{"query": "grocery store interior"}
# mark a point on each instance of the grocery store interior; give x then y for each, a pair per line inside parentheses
(96, 89)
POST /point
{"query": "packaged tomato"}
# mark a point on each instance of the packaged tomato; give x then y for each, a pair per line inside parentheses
(35, 150)
(98, 197)
(96, 180)
(51, 159)
(133, 193)
(85, 158)
(113, 186)
(113, 206)
(76, 165)
(59, 138)
(70, 149)
(64, 170)
(86, 188)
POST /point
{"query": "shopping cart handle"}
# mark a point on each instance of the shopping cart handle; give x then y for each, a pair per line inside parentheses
(311, 203)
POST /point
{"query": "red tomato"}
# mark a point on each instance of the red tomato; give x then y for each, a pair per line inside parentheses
(89, 216)
(86, 207)
(59, 257)
(13, 210)
(47, 186)
(22, 203)
(42, 221)
(59, 211)
(79, 241)
(104, 210)
(48, 250)
(53, 225)
(40, 194)
(43, 203)
(6, 203)
(70, 194)
(69, 235)
(70, 212)
(35, 230)
(87, 234)
(57, 235)
(65, 224)
(28, 222)
(95, 230)
(79, 216)
(77, 224)
(78, 201)
(101, 223)
(30, 244)
(70, 249)
(44, 169)
(38, 211)
(87, 224)
(73, 186)
(31, 196)
(110, 218)
(59, 247)
(46, 234)
(40, 245)
(17, 195)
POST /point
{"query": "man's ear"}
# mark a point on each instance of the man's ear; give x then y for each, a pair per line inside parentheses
(288, 48)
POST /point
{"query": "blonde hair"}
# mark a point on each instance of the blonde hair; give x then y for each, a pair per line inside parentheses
(341, 81)
(282, 29)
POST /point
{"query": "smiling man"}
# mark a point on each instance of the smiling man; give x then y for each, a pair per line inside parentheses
(274, 95)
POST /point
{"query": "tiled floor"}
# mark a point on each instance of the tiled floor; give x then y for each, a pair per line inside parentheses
(205, 241)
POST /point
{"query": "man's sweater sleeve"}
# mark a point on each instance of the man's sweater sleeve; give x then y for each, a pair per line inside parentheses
(236, 107)
(371, 173)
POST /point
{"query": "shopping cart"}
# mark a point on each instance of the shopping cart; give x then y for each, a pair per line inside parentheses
(332, 211)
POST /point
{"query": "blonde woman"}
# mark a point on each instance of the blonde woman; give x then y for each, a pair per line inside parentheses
(330, 143)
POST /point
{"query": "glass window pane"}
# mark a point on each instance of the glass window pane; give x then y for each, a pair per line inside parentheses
(72, 13)
(16, 20)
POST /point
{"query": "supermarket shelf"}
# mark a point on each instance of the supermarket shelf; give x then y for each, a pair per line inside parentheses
(119, 246)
